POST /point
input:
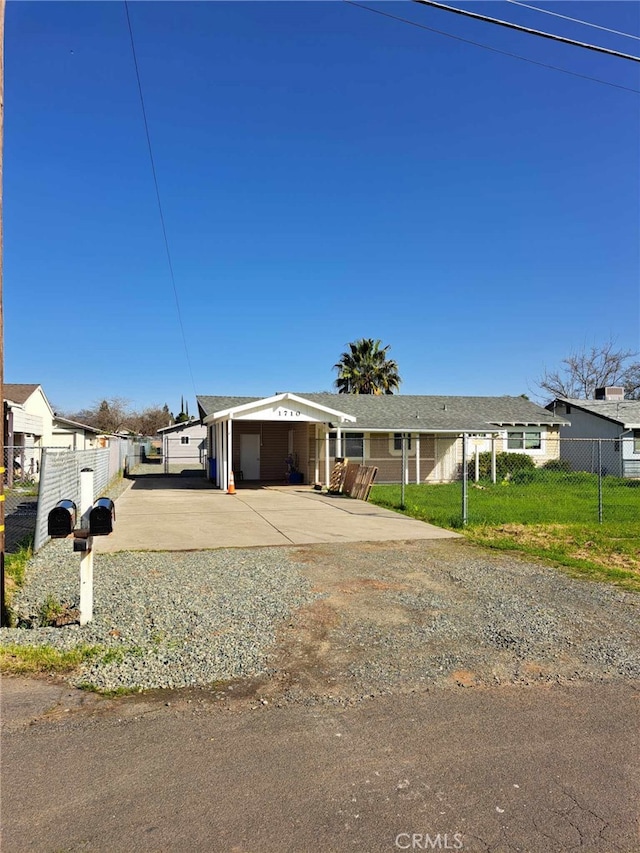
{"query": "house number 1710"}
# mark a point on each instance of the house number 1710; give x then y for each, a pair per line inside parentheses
(288, 413)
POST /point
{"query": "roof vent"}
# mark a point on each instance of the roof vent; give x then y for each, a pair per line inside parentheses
(610, 392)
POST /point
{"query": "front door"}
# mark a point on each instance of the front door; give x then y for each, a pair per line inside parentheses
(250, 455)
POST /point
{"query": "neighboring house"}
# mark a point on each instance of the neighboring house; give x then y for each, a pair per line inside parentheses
(29, 416)
(183, 442)
(258, 435)
(31, 425)
(28, 428)
(609, 418)
(72, 435)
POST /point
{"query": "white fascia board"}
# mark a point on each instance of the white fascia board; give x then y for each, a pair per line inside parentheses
(265, 402)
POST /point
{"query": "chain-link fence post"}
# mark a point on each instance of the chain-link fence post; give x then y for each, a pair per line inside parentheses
(600, 481)
(405, 439)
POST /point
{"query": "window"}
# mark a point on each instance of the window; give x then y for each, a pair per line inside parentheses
(352, 444)
(397, 441)
(524, 439)
(636, 441)
(184, 439)
(395, 444)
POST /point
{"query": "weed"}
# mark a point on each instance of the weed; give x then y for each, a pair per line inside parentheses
(54, 613)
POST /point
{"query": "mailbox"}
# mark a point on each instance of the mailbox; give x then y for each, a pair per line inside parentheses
(101, 517)
(62, 519)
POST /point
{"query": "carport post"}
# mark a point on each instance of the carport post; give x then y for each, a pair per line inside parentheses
(229, 452)
(316, 453)
(418, 457)
(327, 475)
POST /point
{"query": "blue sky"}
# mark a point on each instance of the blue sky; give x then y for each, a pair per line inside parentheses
(326, 173)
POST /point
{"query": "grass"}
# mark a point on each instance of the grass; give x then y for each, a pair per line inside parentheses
(20, 660)
(550, 515)
(15, 566)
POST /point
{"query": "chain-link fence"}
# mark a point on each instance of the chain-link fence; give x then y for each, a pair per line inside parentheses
(521, 476)
(37, 477)
(183, 454)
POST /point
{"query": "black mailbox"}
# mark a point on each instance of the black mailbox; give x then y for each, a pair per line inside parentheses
(62, 519)
(101, 517)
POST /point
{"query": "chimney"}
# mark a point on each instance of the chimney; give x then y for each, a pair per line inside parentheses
(611, 392)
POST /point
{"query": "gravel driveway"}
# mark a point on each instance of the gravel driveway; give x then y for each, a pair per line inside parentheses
(328, 623)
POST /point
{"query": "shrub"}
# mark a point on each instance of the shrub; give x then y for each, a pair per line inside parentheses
(506, 463)
(557, 465)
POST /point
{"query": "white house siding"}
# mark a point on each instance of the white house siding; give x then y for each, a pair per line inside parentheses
(27, 423)
(73, 439)
(37, 410)
(176, 451)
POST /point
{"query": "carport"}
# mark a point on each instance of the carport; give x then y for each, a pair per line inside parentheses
(163, 513)
(254, 438)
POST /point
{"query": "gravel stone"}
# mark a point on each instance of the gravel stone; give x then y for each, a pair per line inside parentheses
(164, 619)
(334, 623)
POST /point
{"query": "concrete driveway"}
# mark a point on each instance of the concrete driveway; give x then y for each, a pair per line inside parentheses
(174, 513)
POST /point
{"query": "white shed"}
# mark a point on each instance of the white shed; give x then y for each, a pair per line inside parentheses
(184, 444)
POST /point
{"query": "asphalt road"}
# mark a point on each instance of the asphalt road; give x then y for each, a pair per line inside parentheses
(513, 768)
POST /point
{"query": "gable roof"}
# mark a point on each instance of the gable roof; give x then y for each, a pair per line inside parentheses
(18, 393)
(623, 412)
(65, 422)
(194, 422)
(414, 413)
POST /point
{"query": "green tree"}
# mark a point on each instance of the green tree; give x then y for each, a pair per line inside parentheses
(365, 369)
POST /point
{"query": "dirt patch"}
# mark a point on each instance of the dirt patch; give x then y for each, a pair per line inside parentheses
(399, 618)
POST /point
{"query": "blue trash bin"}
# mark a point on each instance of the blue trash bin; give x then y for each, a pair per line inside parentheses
(212, 470)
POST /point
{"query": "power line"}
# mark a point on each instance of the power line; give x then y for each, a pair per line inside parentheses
(155, 183)
(575, 20)
(527, 30)
(492, 49)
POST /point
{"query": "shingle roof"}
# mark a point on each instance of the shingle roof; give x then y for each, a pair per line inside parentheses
(67, 422)
(404, 413)
(625, 412)
(18, 393)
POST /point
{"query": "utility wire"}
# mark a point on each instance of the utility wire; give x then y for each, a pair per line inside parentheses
(492, 49)
(528, 30)
(155, 183)
(575, 20)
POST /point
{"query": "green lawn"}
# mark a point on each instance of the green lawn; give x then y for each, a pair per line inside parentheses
(553, 515)
(531, 497)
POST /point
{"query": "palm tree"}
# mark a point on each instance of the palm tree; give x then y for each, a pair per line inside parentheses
(365, 369)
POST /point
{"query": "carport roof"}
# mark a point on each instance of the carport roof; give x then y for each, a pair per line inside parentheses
(414, 413)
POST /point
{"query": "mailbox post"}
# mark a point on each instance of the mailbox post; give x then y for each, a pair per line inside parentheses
(86, 554)
(95, 519)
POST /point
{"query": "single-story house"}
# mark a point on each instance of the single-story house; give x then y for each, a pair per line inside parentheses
(72, 435)
(184, 441)
(31, 425)
(613, 425)
(260, 438)
(28, 427)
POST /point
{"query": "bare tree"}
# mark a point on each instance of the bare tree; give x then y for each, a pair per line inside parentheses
(150, 420)
(582, 372)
